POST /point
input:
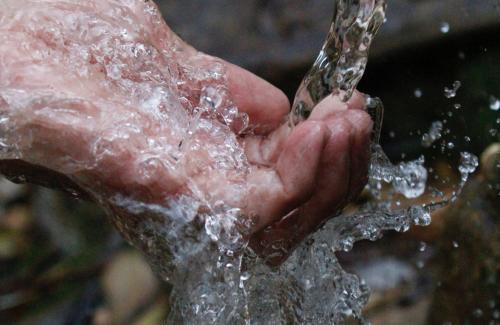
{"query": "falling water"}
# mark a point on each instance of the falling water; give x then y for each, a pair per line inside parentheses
(201, 246)
(255, 293)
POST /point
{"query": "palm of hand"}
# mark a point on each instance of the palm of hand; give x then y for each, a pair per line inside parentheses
(106, 94)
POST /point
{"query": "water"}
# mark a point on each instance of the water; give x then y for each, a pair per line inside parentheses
(434, 134)
(343, 58)
(494, 103)
(452, 92)
(198, 240)
(444, 28)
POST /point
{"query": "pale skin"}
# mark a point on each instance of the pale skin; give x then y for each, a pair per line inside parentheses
(306, 174)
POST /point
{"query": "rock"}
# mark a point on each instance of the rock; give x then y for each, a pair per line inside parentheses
(155, 315)
(129, 284)
(468, 253)
(490, 163)
(16, 219)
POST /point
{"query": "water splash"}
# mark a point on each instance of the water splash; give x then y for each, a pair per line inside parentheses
(196, 243)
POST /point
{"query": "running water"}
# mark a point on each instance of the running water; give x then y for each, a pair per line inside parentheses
(254, 293)
(195, 243)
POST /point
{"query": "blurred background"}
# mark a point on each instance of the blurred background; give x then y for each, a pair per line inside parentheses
(62, 263)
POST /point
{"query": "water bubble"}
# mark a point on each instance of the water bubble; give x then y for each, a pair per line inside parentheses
(444, 27)
(494, 103)
(420, 264)
(450, 145)
(467, 139)
(418, 93)
(452, 92)
(457, 106)
(392, 134)
(455, 244)
(493, 132)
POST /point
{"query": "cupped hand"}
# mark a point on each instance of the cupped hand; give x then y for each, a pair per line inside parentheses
(100, 97)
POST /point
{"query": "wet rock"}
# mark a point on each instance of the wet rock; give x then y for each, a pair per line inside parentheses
(490, 163)
(468, 255)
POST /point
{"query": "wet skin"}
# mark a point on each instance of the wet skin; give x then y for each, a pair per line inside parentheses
(297, 178)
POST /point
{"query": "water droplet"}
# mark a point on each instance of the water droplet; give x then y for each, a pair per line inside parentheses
(420, 216)
(450, 145)
(494, 103)
(444, 27)
(452, 92)
(347, 244)
(433, 134)
(422, 246)
(455, 244)
(468, 163)
(478, 313)
(467, 139)
(211, 98)
(392, 134)
(457, 106)
(410, 178)
(418, 93)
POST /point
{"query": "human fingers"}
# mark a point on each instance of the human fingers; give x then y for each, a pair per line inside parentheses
(274, 192)
(331, 191)
(265, 104)
(342, 175)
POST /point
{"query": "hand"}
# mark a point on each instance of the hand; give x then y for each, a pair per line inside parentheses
(100, 97)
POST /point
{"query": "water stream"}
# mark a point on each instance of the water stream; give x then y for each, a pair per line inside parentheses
(198, 244)
(311, 287)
